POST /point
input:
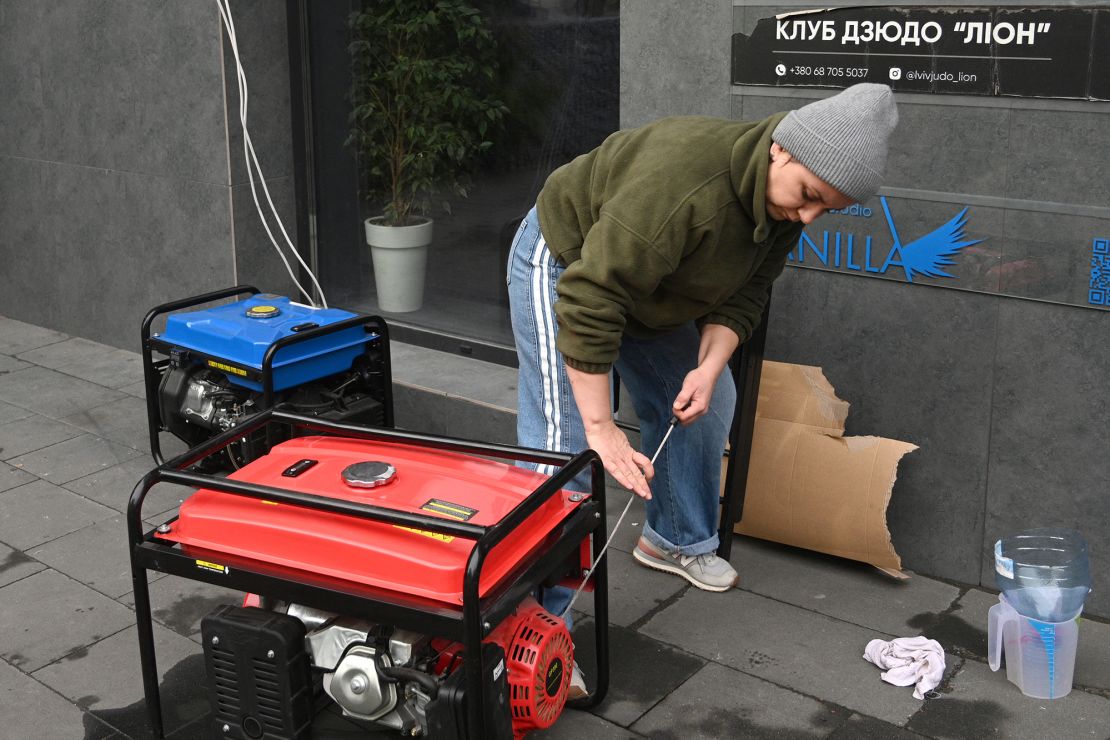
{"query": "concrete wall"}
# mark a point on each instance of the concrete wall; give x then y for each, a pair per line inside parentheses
(121, 177)
(1006, 397)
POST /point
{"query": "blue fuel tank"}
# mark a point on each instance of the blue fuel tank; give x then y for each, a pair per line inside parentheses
(234, 337)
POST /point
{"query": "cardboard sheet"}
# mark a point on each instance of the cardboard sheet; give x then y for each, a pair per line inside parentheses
(810, 486)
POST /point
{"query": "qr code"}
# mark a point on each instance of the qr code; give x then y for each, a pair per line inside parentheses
(1099, 294)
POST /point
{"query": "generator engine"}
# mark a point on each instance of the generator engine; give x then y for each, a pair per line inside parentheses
(215, 374)
(387, 677)
(196, 402)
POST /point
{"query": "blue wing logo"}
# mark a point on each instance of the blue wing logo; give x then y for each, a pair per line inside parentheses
(930, 254)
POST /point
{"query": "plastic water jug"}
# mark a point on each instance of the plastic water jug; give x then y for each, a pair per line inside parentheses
(1044, 573)
(1040, 656)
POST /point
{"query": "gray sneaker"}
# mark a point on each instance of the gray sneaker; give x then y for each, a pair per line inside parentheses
(707, 571)
(577, 689)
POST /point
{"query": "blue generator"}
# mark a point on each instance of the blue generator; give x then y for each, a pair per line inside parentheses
(211, 368)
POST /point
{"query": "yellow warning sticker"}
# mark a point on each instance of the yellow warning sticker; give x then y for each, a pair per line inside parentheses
(227, 368)
(426, 533)
(448, 509)
(214, 567)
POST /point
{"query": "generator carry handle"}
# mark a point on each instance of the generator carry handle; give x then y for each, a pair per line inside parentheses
(172, 471)
(372, 323)
(150, 377)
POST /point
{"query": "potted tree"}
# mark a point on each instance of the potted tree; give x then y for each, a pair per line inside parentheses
(423, 109)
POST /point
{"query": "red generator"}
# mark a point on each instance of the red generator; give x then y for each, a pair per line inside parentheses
(389, 572)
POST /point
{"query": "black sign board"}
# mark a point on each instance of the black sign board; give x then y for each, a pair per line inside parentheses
(1029, 52)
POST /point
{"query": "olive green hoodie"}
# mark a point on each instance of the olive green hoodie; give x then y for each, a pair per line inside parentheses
(659, 226)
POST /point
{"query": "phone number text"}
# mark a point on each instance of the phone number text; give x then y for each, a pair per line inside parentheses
(829, 71)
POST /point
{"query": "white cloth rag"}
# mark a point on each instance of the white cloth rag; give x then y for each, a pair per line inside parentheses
(908, 660)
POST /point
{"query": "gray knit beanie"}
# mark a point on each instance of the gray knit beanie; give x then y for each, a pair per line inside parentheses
(843, 139)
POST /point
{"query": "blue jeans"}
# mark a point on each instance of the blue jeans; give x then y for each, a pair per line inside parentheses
(683, 512)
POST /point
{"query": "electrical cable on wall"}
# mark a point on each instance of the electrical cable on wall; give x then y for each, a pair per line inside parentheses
(250, 157)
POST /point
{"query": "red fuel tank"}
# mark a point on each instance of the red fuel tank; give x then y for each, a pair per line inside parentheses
(414, 479)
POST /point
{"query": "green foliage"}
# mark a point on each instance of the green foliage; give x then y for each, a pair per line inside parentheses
(423, 101)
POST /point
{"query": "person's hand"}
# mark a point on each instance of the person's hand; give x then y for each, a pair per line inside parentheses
(693, 400)
(631, 468)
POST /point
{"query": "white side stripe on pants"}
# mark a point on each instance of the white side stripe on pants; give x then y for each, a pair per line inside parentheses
(545, 330)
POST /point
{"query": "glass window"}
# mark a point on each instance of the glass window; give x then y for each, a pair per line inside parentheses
(553, 95)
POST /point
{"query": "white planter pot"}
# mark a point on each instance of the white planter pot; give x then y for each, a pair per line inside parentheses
(399, 254)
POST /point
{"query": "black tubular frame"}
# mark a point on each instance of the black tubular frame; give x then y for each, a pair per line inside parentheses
(469, 624)
(746, 371)
(153, 370)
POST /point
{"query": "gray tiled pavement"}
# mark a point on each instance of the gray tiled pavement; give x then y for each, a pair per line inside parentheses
(779, 657)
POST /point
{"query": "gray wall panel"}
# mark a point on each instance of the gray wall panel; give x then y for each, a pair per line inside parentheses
(1049, 437)
(671, 59)
(116, 85)
(89, 251)
(952, 149)
(755, 107)
(115, 182)
(256, 262)
(879, 349)
(262, 36)
(1060, 158)
(21, 78)
(264, 51)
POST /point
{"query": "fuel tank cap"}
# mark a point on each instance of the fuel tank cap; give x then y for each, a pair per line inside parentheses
(369, 474)
(262, 312)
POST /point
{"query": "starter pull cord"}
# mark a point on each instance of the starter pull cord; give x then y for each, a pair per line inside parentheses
(617, 526)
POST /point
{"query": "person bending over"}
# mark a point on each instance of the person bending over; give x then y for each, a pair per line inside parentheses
(654, 254)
